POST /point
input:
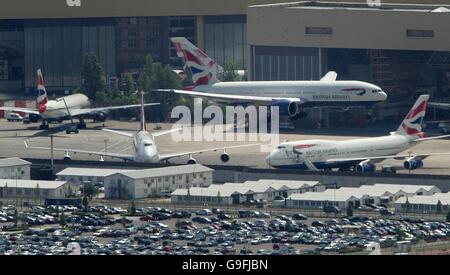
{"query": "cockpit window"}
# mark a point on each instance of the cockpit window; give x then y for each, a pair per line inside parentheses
(281, 147)
(148, 144)
(377, 91)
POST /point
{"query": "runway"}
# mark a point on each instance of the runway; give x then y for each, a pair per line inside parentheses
(13, 135)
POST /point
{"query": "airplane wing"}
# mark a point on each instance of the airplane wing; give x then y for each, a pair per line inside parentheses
(78, 112)
(430, 138)
(330, 76)
(262, 100)
(165, 132)
(18, 109)
(445, 106)
(68, 150)
(164, 157)
(131, 135)
(381, 158)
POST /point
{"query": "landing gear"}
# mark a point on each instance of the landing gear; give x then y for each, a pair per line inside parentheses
(81, 124)
(44, 125)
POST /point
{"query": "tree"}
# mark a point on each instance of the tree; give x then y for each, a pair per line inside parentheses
(133, 208)
(62, 219)
(407, 205)
(101, 98)
(439, 207)
(16, 217)
(91, 75)
(229, 72)
(448, 216)
(129, 88)
(350, 210)
(90, 190)
(85, 203)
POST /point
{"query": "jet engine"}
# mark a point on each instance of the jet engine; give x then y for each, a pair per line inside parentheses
(67, 157)
(34, 118)
(100, 116)
(365, 166)
(287, 107)
(413, 163)
(225, 157)
(192, 161)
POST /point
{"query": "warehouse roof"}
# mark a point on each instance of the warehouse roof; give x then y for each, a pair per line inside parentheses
(43, 184)
(428, 200)
(166, 171)
(328, 195)
(89, 172)
(7, 162)
(395, 188)
(204, 192)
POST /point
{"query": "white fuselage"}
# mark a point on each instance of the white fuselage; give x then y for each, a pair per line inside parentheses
(324, 92)
(57, 109)
(145, 148)
(318, 152)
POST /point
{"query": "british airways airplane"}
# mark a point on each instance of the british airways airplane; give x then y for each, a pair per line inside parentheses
(359, 154)
(290, 96)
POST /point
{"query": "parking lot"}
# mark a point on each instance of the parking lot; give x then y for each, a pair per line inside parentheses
(156, 230)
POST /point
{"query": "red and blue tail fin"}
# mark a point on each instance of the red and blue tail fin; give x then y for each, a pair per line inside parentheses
(204, 69)
(42, 98)
(412, 124)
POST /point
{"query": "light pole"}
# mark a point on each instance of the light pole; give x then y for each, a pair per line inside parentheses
(51, 152)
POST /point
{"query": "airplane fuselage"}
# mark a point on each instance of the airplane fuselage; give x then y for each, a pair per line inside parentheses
(313, 93)
(318, 152)
(145, 148)
(57, 109)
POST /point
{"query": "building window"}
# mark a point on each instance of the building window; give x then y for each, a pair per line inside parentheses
(420, 33)
(180, 177)
(133, 32)
(133, 43)
(319, 30)
(133, 21)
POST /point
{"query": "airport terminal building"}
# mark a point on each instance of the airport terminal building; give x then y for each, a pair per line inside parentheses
(404, 48)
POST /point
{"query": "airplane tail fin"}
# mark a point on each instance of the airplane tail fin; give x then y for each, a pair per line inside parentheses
(42, 98)
(204, 69)
(143, 122)
(412, 124)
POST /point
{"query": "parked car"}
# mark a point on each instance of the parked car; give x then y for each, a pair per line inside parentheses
(386, 212)
(299, 217)
(329, 209)
(203, 212)
(13, 117)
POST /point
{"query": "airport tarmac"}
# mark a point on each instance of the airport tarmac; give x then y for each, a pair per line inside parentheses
(13, 135)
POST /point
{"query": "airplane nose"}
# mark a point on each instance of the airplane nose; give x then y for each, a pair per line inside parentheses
(383, 96)
(268, 159)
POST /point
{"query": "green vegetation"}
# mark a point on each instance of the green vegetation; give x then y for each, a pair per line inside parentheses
(350, 210)
(85, 203)
(439, 207)
(448, 217)
(89, 190)
(133, 208)
(229, 72)
(91, 75)
(150, 77)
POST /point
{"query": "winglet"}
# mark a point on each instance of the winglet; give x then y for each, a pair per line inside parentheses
(330, 76)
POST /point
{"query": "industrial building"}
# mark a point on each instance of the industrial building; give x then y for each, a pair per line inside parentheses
(33, 189)
(236, 193)
(80, 175)
(386, 194)
(403, 48)
(423, 204)
(145, 183)
(14, 168)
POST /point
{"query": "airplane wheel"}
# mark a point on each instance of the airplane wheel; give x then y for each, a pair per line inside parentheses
(76, 131)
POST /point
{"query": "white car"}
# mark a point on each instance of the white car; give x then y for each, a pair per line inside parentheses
(13, 117)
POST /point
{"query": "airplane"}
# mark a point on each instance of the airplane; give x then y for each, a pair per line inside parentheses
(290, 96)
(145, 148)
(359, 154)
(66, 107)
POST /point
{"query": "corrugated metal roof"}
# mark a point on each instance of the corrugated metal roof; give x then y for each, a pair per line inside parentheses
(43, 184)
(89, 172)
(427, 200)
(166, 171)
(328, 195)
(7, 162)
